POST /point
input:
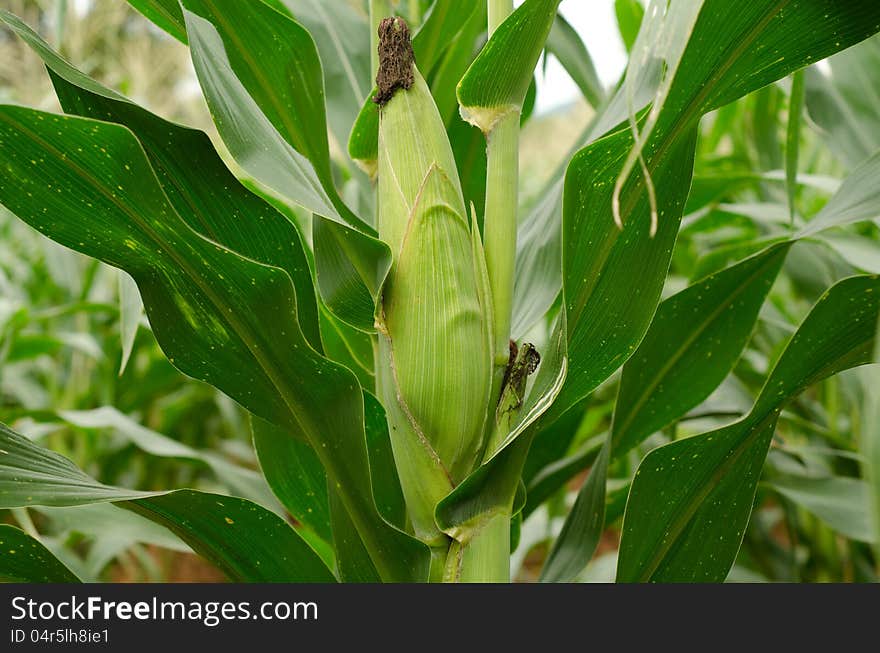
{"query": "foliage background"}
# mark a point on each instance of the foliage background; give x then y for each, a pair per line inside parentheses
(64, 319)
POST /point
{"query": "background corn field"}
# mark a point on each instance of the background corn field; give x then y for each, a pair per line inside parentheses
(81, 372)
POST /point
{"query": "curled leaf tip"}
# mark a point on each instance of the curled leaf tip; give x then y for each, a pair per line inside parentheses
(395, 59)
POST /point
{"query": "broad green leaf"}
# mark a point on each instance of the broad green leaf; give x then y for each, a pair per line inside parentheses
(566, 45)
(295, 475)
(583, 526)
(353, 563)
(165, 14)
(846, 105)
(108, 530)
(342, 37)
(249, 543)
(348, 346)
(130, 309)
(445, 22)
(220, 317)
(272, 119)
(693, 342)
(690, 501)
(498, 79)
(612, 278)
(839, 501)
(26, 560)
(190, 172)
(629, 19)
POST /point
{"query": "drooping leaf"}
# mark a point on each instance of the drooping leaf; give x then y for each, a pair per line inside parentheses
(249, 543)
(857, 199)
(566, 45)
(190, 172)
(26, 560)
(211, 309)
(283, 140)
(583, 526)
(612, 278)
(691, 500)
(165, 14)
(693, 342)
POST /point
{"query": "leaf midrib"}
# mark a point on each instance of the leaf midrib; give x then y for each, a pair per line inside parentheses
(677, 355)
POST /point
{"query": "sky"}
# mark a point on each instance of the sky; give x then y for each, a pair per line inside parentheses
(596, 23)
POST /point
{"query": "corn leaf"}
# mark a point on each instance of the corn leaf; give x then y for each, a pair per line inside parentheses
(249, 543)
(342, 37)
(583, 526)
(94, 190)
(629, 19)
(857, 199)
(189, 171)
(839, 501)
(612, 278)
(707, 483)
(165, 14)
(268, 105)
(295, 475)
(845, 105)
(130, 310)
(566, 45)
(441, 27)
(26, 560)
(240, 481)
(694, 341)
(499, 78)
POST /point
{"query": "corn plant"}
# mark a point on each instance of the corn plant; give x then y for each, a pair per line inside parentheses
(417, 351)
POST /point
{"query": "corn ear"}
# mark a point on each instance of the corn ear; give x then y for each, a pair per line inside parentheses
(434, 320)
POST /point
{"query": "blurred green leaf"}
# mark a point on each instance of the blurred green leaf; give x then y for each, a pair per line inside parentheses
(839, 501)
(629, 19)
(583, 526)
(249, 543)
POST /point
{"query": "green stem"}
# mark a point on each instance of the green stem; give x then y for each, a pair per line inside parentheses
(485, 558)
(499, 229)
(379, 9)
(502, 182)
